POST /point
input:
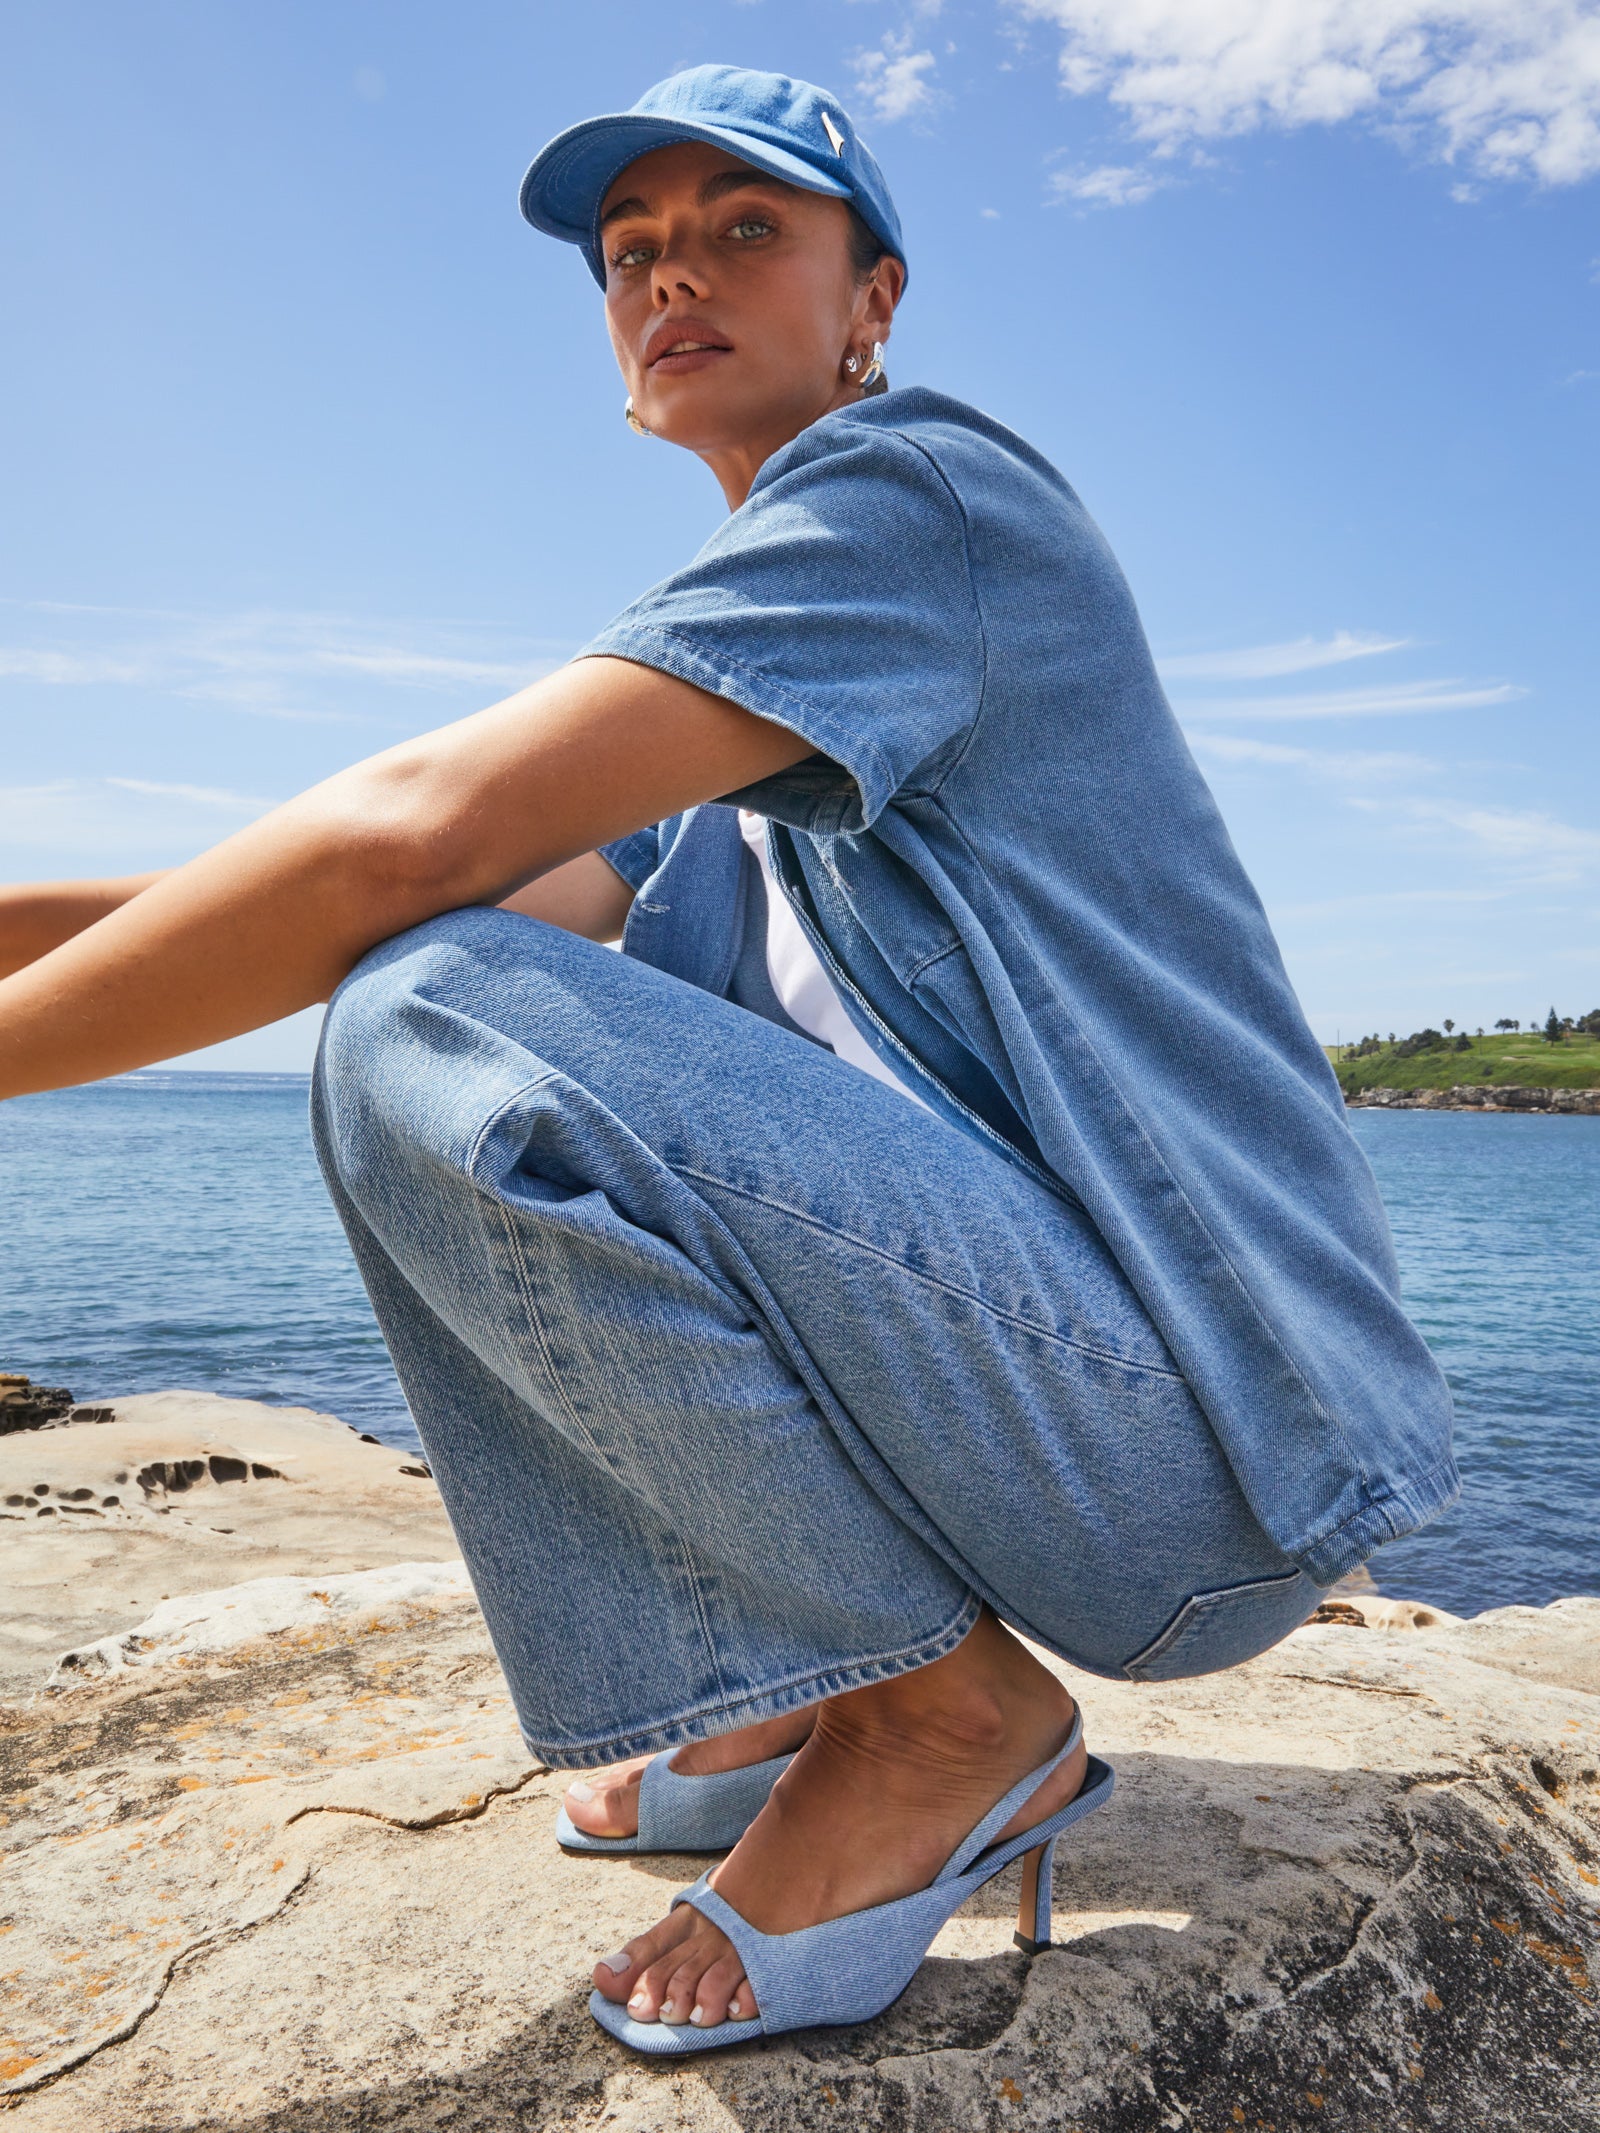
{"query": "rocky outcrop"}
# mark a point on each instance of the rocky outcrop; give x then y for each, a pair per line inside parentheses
(1566, 1102)
(278, 1863)
(182, 1491)
(24, 1405)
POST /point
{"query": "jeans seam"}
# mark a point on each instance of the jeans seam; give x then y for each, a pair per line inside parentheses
(790, 1695)
(535, 1323)
(935, 1281)
(1193, 1606)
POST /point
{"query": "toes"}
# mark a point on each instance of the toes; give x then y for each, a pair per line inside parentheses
(714, 1996)
(692, 1981)
(621, 1976)
(681, 1993)
(606, 1804)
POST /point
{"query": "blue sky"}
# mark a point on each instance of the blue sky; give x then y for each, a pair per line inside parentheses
(309, 443)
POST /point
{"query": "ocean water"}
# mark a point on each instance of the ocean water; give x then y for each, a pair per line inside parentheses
(171, 1229)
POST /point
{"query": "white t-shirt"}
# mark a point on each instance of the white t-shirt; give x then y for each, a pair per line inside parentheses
(804, 990)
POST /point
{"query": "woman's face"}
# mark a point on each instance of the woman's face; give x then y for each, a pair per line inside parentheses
(733, 302)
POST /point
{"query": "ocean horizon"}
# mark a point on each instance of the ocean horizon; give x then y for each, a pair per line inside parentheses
(169, 1228)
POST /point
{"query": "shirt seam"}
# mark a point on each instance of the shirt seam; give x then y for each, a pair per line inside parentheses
(914, 444)
(724, 664)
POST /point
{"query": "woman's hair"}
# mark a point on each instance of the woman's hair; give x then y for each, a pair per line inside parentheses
(865, 249)
(865, 252)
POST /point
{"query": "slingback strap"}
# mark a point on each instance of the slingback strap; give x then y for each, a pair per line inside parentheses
(997, 1817)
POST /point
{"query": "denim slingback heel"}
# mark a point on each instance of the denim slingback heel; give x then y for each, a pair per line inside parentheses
(849, 1969)
(678, 1813)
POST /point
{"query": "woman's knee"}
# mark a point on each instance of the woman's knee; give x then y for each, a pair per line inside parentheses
(410, 1056)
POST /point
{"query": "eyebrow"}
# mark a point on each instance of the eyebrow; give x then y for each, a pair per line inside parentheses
(714, 188)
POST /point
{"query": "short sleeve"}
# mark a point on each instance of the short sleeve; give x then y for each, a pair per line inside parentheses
(838, 602)
(635, 857)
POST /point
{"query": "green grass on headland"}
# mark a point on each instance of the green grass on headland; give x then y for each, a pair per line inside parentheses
(1521, 1059)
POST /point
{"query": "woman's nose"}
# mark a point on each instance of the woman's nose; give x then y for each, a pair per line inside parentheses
(679, 273)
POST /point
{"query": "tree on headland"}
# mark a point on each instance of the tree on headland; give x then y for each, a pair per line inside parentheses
(1553, 1032)
(1507, 1022)
(1448, 1025)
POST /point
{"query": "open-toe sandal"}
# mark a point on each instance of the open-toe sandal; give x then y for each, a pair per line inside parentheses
(850, 1969)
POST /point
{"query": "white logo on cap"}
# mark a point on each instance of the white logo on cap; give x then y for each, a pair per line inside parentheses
(835, 137)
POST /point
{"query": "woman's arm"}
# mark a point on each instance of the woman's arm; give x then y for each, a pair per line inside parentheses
(585, 896)
(36, 916)
(272, 920)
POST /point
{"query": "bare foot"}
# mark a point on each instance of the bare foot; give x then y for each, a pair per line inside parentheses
(606, 1803)
(890, 1782)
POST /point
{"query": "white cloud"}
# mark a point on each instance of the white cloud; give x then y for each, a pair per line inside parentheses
(1529, 848)
(101, 825)
(1559, 850)
(895, 81)
(1355, 766)
(1262, 662)
(233, 803)
(1393, 701)
(1500, 88)
(321, 668)
(1107, 185)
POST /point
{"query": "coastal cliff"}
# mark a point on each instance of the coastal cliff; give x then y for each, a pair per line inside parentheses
(1574, 1103)
(278, 1862)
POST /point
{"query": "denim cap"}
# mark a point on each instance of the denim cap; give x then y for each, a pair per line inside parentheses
(786, 128)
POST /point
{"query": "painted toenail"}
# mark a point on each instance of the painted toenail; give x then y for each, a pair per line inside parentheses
(617, 1963)
(636, 2003)
(580, 1792)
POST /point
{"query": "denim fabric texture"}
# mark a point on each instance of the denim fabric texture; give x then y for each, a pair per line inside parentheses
(686, 1814)
(1012, 869)
(745, 1379)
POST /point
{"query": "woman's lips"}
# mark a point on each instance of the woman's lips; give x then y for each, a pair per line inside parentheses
(679, 345)
(675, 361)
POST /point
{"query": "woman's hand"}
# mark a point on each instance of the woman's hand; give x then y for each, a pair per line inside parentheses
(36, 916)
(272, 920)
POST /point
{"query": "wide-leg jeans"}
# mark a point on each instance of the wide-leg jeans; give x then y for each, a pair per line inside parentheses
(745, 1379)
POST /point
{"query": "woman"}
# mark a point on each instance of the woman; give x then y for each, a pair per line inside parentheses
(939, 1221)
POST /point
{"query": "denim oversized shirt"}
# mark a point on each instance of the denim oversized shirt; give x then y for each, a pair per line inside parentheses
(1024, 893)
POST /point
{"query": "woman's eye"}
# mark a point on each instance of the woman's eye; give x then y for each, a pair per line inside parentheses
(751, 226)
(633, 255)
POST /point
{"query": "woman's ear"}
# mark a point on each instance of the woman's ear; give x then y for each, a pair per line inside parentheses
(882, 295)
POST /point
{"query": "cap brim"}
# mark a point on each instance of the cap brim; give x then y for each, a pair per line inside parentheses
(567, 182)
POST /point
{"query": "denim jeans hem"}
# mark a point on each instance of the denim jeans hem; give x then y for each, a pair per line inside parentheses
(727, 1716)
(1387, 1517)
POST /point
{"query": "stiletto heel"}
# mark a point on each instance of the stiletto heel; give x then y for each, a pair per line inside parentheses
(685, 1814)
(850, 1969)
(1033, 1911)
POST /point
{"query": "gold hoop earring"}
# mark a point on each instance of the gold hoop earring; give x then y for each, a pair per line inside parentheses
(639, 429)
